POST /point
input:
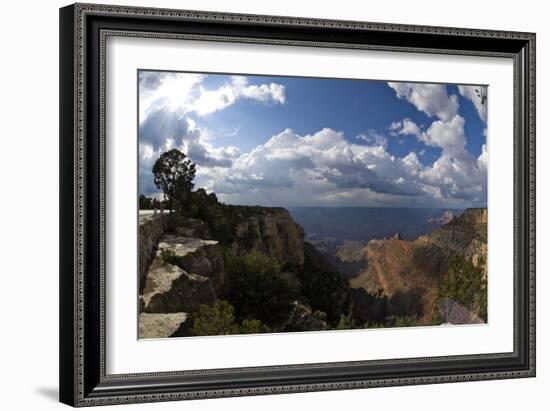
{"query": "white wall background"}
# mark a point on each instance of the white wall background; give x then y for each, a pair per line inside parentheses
(29, 204)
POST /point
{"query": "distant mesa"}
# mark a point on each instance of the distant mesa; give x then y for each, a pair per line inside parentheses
(443, 219)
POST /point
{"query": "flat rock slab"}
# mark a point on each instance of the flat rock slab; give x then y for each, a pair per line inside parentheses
(181, 246)
(170, 289)
(160, 325)
(159, 279)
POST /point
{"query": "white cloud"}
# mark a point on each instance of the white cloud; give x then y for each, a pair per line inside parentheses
(167, 99)
(406, 127)
(321, 168)
(448, 135)
(432, 99)
(164, 129)
(373, 137)
(325, 168)
(478, 96)
(456, 174)
(184, 93)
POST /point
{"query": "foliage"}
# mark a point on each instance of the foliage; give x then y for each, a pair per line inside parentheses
(222, 219)
(405, 321)
(253, 327)
(369, 324)
(174, 173)
(168, 256)
(219, 319)
(346, 322)
(216, 319)
(324, 288)
(466, 283)
(258, 288)
(390, 322)
(150, 203)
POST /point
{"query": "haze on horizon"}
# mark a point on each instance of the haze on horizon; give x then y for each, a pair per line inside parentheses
(310, 142)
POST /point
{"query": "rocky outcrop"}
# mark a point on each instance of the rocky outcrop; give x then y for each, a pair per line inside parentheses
(303, 318)
(184, 274)
(274, 233)
(452, 312)
(194, 255)
(407, 272)
(151, 228)
(170, 289)
(160, 325)
(191, 227)
(351, 258)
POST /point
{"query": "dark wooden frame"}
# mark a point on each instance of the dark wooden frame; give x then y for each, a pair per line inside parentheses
(83, 30)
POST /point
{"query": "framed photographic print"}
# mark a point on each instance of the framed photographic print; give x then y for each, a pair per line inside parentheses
(260, 204)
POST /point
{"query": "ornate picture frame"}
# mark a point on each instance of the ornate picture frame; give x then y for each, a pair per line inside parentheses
(84, 30)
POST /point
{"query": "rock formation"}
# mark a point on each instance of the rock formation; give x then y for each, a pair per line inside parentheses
(160, 325)
(177, 274)
(274, 233)
(151, 228)
(407, 272)
(182, 267)
(452, 312)
(443, 218)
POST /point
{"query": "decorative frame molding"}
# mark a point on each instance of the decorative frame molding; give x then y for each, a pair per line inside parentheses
(84, 29)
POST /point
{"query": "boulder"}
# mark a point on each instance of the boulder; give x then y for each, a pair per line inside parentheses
(151, 229)
(160, 325)
(170, 289)
(194, 255)
(454, 313)
(303, 318)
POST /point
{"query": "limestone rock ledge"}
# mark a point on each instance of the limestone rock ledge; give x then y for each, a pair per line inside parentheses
(151, 229)
(160, 325)
(274, 233)
(170, 289)
(195, 255)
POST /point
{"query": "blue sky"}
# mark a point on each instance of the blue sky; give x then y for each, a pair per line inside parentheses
(295, 141)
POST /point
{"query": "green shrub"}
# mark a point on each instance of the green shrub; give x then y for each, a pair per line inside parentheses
(253, 327)
(257, 288)
(346, 323)
(219, 319)
(405, 321)
(322, 286)
(466, 283)
(216, 319)
(168, 256)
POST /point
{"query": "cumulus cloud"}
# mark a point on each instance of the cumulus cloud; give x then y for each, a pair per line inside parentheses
(405, 127)
(166, 102)
(326, 168)
(164, 129)
(456, 174)
(478, 96)
(321, 168)
(432, 99)
(447, 135)
(373, 137)
(186, 93)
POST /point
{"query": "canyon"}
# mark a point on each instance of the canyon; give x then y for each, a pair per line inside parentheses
(340, 284)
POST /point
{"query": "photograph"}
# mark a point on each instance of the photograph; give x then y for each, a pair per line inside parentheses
(290, 201)
(279, 204)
